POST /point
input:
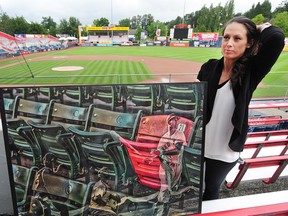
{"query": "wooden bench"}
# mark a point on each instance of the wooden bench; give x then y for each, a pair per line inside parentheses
(261, 150)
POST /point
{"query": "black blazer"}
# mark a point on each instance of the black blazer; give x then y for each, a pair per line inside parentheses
(272, 39)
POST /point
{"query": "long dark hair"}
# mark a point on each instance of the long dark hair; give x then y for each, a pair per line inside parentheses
(253, 39)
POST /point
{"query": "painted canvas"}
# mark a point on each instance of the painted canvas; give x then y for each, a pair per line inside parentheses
(105, 149)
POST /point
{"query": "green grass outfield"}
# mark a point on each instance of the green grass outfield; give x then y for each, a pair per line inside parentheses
(108, 72)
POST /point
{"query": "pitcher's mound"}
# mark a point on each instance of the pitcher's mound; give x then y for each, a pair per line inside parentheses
(68, 68)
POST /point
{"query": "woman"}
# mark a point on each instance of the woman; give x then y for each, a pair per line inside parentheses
(249, 52)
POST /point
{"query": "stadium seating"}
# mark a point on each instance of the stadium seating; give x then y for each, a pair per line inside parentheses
(24, 148)
(144, 97)
(262, 150)
(108, 97)
(107, 163)
(64, 128)
(74, 96)
(183, 99)
(46, 94)
(126, 124)
(67, 115)
(23, 180)
(23, 145)
(56, 195)
(25, 93)
(63, 158)
(143, 152)
(32, 110)
(9, 107)
(267, 123)
(97, 158)
(192, 169)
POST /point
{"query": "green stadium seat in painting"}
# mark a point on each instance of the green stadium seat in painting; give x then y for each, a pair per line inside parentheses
(182, 98)
(145, 97)
(56, 195)
(7, 93)
(97, 160)
(64, 158)
(23, 181)
(74, 96)
(96, 135)
(31, 110)
(108, 97)
(66, 115)
(24, 148)
(9, 106)
(192, 168)
(25, 93)
(46, 94)
(126, 124)
(197, 133)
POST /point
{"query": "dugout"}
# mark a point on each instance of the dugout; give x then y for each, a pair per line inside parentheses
(107, 35)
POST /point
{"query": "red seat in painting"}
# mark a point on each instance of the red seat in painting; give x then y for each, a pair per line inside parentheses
(143, 152)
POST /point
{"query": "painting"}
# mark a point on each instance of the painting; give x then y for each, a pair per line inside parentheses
(105, 149)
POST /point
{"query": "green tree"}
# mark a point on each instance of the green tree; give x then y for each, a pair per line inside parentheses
(124, 22)
(171, 24)
(63, 27)
(281, 20)
(19, 25)
(191, 19)
(138, 33)
(151, 29)
(36, 28)
(73, 26)
(259, 19)
(83, 30)
(202, 20)
(146, 20)
(101, 22)
(49, 24)
(6, 24)
(281, 8)
(135, 21)
(264, 8)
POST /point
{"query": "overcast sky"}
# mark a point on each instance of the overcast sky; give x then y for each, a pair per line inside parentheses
(88, 10)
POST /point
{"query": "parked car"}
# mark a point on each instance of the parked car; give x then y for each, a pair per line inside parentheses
(127, 43)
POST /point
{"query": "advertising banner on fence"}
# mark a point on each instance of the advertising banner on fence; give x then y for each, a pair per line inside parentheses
(105, 149)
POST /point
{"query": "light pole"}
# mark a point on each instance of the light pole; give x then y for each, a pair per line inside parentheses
(112, 19)
(184, 11)
(111, 12)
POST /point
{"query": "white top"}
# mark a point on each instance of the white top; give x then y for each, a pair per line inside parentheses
(219, 129)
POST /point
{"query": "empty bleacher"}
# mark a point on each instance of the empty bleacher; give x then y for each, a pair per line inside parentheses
(265, 154)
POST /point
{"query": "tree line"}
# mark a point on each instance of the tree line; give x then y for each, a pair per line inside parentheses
(207, 19)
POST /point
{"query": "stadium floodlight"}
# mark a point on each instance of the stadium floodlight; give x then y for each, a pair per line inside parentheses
(183, 10)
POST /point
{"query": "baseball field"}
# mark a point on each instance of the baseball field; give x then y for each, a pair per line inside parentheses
(124, 65)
